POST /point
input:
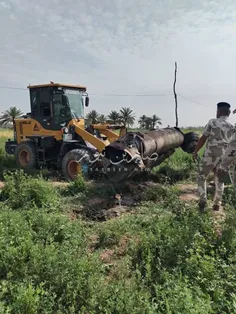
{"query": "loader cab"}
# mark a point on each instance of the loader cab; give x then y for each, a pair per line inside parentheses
(55, 105)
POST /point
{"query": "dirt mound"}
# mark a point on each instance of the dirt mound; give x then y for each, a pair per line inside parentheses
(100, 209)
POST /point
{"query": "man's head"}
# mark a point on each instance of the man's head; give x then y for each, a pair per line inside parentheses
(223, 109)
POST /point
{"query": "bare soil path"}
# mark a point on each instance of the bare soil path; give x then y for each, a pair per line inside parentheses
(188, 192)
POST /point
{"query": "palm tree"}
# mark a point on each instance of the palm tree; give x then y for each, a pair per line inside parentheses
(127, 117)
(148, 123)
(114, 117)
(102, 118)
(156, 120)
(8, 116)
(142, 121)
(92, 117)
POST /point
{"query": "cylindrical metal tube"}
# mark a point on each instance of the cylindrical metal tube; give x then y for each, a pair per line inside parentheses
(161, 140)
(158, 141)
(147, 150)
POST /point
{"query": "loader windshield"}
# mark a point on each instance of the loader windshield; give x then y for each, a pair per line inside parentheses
(75, 102)
(68, 105)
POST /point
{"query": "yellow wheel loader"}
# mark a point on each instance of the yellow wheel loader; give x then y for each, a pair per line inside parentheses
(54, 133)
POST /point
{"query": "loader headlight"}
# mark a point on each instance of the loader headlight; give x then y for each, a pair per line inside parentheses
(65, 130)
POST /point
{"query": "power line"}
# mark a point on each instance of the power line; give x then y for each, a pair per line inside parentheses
(120, 95)
(193, 101)
(131, 95)
(8, 87)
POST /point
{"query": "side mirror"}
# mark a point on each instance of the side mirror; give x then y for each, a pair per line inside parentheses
(86, 101)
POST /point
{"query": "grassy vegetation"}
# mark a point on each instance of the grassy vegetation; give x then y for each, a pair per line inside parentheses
(158, 256)
(6, 161)
(5, 134)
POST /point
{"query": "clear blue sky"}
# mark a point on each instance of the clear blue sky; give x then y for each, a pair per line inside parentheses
(123, 47)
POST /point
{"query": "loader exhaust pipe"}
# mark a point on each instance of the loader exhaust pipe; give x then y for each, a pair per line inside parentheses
(137, 151)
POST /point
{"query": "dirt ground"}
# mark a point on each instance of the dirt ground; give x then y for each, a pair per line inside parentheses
(102, 209)
(188, 192)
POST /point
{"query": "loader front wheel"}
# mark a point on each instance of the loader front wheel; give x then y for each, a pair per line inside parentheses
(76, 162)
(26, 156)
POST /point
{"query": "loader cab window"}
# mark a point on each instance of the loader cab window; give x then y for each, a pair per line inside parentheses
(67, 105)
(75, 100)
(44, 104)
(34, 104)
(40, 103)
(61, 108)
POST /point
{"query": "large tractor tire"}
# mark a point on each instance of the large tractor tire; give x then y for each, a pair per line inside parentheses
(26, 156)
(76, 162)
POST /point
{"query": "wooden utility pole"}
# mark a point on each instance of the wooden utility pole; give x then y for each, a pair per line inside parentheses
(176, 102)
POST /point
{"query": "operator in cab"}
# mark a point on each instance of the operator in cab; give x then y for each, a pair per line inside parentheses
(216, 135)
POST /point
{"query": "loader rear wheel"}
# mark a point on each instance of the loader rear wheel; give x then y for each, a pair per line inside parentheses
(76, 162)
(26, 156)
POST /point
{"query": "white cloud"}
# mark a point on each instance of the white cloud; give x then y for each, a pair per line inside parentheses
(4, 5)
(123, 47)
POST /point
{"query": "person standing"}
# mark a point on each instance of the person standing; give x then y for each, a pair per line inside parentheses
(228, 159)
(216, 135)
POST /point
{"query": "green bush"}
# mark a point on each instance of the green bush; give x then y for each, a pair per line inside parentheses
(180, 166)
(159, 192)
(44, 267)
(75, 187)
(177, 295)
(23, 191)
(173, 264)
(229, 196)
(182, 255)
(6, 162)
